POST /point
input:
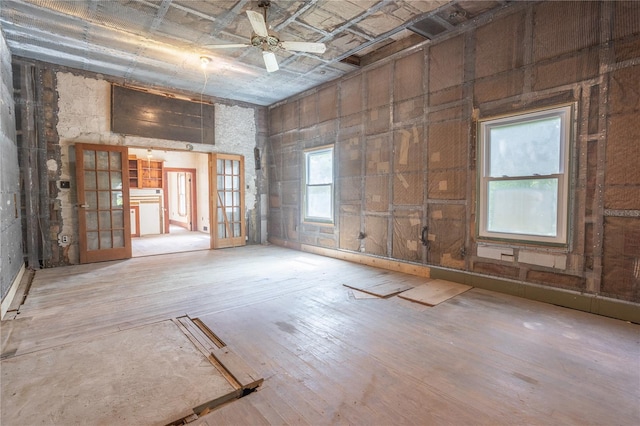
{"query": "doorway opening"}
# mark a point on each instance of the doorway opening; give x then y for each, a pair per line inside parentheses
(165, 189)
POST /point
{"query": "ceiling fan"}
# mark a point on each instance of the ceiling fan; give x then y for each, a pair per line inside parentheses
(269, 41)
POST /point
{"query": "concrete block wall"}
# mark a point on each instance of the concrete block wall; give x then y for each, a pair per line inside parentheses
(11, 254)
(404, 131)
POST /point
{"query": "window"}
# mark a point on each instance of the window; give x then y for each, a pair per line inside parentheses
(318, 181)
(524, 176)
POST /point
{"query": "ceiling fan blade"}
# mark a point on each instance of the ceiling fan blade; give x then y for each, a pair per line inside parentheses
(270, 61)
(257, 23)
(225, 46)
(302, 46)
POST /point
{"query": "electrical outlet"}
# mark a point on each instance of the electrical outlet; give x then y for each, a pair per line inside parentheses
(64, 239)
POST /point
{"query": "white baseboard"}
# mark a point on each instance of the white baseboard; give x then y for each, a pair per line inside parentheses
(6, 302)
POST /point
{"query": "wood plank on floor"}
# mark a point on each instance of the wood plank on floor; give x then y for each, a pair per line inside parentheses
(434, 292)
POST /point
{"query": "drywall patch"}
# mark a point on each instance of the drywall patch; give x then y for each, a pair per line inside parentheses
(558, 261)
(52, 165)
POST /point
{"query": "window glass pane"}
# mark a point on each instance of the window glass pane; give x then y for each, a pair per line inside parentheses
(220, 182)
(116, 180)
(319, 167)
(116, 200)
(115, 161)
(105, 220)
(526, 148)
(92, 241)
(90, 180)
(92, 221)
(527, 206)
(89, 159)
(236, 167)
(222, 231)
(117, 219)
(103, 180)
(104, 201)
(228, 182)
(118, 239)
(103, 160)
(91, 199)
(227, 167)
(236, 229)
(319, 202)
(105, 240)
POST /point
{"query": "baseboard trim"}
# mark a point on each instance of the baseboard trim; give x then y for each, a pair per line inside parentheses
(591, 303)
(6, 301)
(363, 259)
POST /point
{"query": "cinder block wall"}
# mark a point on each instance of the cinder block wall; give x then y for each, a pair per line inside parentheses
(11, 258)
(404, 131)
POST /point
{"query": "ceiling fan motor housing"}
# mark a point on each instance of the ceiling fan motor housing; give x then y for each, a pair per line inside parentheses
(271, 42)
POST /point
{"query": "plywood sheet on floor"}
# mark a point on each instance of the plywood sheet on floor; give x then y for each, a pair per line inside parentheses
(380, 289)
(434, 292)
(146, 375)
(357, 294)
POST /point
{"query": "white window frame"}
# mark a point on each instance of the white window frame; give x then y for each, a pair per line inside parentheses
(565, 113)
(307, 155)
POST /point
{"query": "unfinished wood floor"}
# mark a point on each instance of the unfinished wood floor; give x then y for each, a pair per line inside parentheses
(330, 358)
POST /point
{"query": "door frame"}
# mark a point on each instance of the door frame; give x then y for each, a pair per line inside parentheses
(193, 196)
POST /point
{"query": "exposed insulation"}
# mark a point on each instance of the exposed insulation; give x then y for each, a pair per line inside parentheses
(378, 85)
(564, 27)
(408, 76)
(447, 225)
(349, 237)
(327, 104)
(446, 61)
(376, 234)
(351, 95)
(406, 235)
(621, 264)
(496, 53)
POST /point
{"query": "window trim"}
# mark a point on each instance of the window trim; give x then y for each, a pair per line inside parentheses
(305, 185)
(566, 113)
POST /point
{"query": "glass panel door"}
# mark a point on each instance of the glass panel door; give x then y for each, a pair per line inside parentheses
(227, 202)
(103, 197)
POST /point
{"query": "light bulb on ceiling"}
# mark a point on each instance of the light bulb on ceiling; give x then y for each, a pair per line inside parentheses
(204, 61)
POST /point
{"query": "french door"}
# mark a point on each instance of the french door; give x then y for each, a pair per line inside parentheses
(103, 202)
(227, 201)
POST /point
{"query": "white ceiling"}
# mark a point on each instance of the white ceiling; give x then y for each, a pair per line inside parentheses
(158, 43)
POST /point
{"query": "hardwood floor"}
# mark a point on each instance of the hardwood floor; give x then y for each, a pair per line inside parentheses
(331, 358)
(176, 241)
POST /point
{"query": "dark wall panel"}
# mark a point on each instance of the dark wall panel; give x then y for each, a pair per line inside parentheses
(138, 113)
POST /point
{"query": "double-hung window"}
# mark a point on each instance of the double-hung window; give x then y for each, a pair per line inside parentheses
(524, 176)
(318, 185)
